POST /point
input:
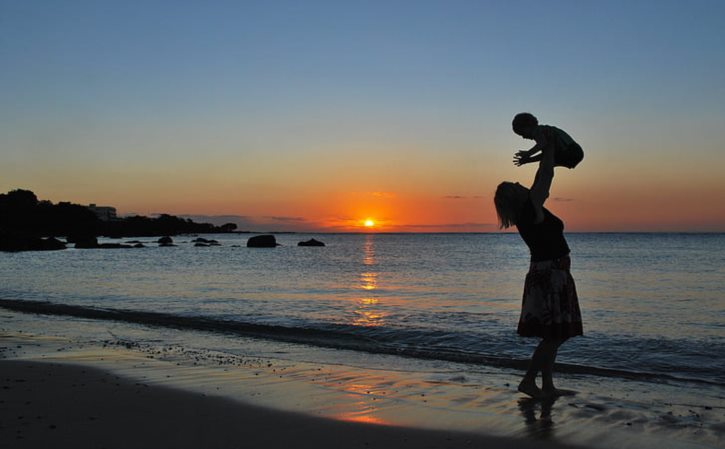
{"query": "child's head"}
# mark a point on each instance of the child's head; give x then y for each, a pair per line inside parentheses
(524, 125)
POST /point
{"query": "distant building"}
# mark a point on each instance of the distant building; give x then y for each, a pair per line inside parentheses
(104, 213)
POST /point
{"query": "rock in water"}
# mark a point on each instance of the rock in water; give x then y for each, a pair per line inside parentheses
(165, 240)
(113, 246)
(15, 242)
(52, 244)
(311, 242)
(85, 242)
(262, 241)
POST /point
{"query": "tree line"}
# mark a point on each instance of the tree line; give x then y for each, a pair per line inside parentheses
(21, 213)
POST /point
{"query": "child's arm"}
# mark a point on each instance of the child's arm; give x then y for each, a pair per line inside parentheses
(533, 150)
(541, 141)
(523, 157)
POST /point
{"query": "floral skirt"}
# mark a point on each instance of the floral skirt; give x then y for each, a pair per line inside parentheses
(550, 307)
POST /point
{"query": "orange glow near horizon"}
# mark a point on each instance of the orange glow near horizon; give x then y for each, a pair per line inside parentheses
(586, 199)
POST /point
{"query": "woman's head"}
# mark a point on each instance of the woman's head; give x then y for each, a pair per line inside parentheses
(509, 200)
(524, 124)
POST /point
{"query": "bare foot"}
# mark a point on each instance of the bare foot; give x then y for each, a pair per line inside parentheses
(530, 388)
(555, 392)
(549, 393)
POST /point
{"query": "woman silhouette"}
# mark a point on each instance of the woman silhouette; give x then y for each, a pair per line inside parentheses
(550, 308)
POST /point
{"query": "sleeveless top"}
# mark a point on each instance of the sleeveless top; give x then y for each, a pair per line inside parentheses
(546, 239)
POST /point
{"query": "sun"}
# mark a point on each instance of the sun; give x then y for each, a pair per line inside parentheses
(369, 223)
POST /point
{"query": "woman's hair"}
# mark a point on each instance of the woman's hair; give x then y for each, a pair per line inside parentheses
(508, 204)
(524, 120)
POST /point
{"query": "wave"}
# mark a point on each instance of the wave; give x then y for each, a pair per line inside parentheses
(346, 337)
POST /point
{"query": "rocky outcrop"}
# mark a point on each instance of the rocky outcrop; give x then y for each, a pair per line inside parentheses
(166, 241)
(18, 242)
(204, 242)
(51, 244)
(311, 242)
(262, 241)
(84, 242)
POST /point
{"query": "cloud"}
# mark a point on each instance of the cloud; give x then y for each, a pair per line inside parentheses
(382, 194)
(469, 225)
(240, 220)
(286, 219)
(274, 223)
(454, 197)
(558, 198)
(462, 197)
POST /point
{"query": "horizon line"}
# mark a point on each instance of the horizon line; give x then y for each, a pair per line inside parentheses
(456, 232)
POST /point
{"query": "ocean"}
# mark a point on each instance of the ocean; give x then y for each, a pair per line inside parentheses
(652, 303)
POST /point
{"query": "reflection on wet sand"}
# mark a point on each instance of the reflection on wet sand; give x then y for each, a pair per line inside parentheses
(362, 410)
(367, 312)
(541, 428)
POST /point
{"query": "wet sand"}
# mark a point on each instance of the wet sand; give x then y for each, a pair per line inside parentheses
(52, 405)
(133, 386)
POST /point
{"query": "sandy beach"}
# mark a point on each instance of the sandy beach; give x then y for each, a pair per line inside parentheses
(60, 391)
(52, 405)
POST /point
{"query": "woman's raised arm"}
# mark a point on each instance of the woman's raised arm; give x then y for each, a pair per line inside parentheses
(542, 182)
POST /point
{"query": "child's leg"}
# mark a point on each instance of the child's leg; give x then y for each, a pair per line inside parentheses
(569, 156)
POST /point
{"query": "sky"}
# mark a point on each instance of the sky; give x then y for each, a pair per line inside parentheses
(320, 115)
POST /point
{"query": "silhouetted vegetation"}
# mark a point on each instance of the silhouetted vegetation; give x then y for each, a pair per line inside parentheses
(137, 226)
(24, 219)
(21, 212)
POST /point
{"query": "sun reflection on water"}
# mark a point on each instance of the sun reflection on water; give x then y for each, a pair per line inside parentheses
(369, 281)
(368, 313)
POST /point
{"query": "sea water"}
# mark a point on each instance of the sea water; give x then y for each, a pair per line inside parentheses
(652, 304)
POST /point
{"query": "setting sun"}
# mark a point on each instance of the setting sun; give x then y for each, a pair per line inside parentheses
(369, 223)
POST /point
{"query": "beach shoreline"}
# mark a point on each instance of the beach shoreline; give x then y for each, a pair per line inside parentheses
(391, 397)
(55, 405)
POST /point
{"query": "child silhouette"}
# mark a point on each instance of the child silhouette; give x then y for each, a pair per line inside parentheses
(567, 153)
